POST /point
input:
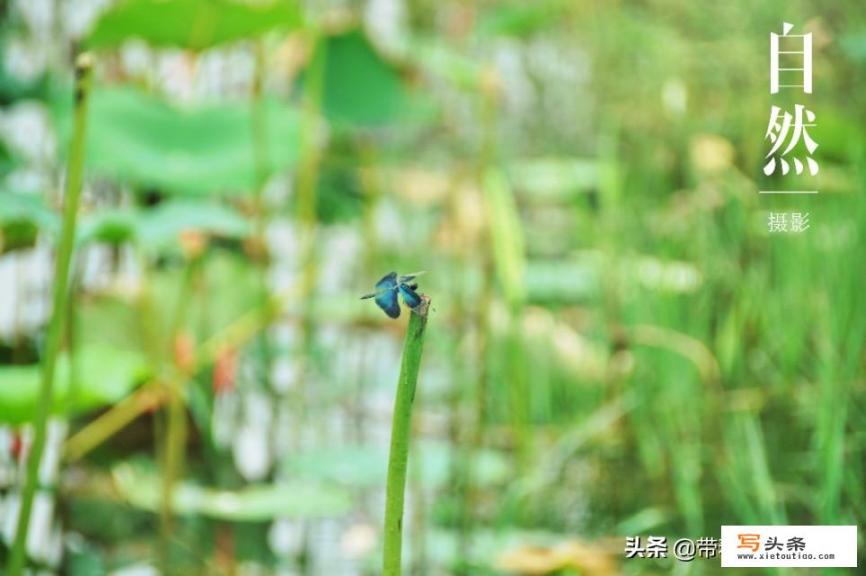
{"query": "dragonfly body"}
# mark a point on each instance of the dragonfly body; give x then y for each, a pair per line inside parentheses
(390, 286)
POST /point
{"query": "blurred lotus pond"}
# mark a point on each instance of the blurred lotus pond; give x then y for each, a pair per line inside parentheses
(195, 194)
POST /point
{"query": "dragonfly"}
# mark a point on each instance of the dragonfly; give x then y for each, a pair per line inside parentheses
(390, 286)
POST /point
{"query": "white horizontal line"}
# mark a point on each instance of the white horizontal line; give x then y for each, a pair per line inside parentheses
(788, 191)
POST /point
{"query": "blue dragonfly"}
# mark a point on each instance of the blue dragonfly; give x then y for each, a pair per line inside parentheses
(389, 286)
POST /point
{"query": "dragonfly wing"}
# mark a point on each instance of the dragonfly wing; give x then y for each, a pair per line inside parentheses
(410, 277)
(387, 301)
(388, 282)
(410, 297)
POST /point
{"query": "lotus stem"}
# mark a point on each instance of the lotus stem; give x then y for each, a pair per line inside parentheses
(61, 297)
(401, 432)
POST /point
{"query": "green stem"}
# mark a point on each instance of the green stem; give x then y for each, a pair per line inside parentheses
(401, 428)
(72, 195)
(175, 442)
(307, 190)
(308, 176)
(176, 428)
(261, 250)
(153, 394)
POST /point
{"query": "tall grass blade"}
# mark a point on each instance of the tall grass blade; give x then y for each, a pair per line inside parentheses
(61, 297)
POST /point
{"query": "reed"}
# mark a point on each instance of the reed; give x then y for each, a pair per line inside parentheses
(59, 316)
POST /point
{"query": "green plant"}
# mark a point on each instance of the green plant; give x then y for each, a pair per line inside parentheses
(61, 297)
(401, 428)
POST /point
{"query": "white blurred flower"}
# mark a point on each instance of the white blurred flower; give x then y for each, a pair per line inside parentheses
(50, 465)
(26, 128)
(251, 454)
(78, 16)
(358, 540)
(251, 448)
(136, 570)
(387, 22)
(285, 537)
(284, 374)
(25, 60)
(41, 520)
(136, 57)
(37, 14)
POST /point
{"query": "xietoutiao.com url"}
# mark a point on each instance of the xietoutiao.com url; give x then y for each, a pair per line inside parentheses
(786, 556)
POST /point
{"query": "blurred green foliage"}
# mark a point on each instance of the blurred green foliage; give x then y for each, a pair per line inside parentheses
(617, 346)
